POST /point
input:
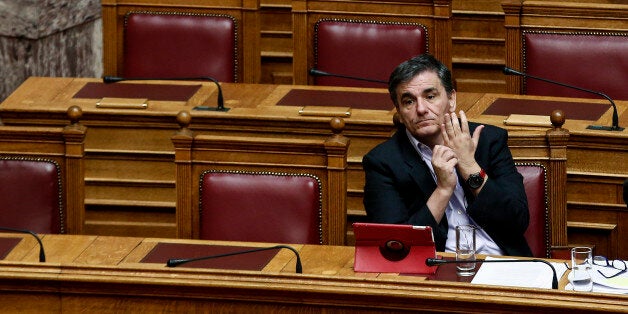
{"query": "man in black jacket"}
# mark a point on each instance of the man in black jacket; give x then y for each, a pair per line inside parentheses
(439, 170)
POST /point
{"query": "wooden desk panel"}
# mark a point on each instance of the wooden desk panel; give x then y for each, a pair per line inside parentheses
(94, 281)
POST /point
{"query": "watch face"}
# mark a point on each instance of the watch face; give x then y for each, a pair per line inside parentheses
(475, 181)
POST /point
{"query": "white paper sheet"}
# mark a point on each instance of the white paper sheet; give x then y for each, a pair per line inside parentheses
(519, 274)
(617, 284)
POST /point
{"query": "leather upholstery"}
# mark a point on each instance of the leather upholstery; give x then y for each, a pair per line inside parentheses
(167, 45)
(365, 49)
(31, 195)
(260, 207)
(594, 61)
(537, 235)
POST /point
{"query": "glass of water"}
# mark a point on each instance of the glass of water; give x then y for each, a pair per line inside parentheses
(465, 250)
(581, 260)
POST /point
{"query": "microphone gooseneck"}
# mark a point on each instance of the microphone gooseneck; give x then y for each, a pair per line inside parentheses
(316, 72)
(173, 262)
(615, 124)
(221, 102)
(439, 261)
(42, 254)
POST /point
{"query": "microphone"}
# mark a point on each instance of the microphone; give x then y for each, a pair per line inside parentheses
(174, 262)
(438, 261)
(615, 126)
(315, 72)
(221, 102)
(42, 255)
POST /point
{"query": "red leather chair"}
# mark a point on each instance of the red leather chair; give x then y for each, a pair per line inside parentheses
(365, 49)
(175, 45)
(593, 60)
(31, 195)
(538, 233)
(260, 207)
(42, 177)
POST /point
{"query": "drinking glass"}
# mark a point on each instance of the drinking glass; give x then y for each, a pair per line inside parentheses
(465, 250)
(581, 260)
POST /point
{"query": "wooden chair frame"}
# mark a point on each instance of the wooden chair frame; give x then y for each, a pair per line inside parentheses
(324, 158)
(435, 15)
(63, 147)
(246, 14)
(549, 151)
(557, 17)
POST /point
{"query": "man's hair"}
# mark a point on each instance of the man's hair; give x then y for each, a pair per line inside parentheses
(407, 70)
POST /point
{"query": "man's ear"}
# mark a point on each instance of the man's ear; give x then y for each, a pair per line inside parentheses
(452, 101)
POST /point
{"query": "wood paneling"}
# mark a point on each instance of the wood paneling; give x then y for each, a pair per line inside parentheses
(276, 41)
(478, 53)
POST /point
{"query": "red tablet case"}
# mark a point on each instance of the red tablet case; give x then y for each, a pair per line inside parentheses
(388, 248)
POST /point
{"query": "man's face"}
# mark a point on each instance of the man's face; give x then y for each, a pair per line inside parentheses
(422, 103)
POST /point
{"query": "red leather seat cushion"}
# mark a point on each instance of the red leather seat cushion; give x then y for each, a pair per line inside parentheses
(364, 49)
(260, 208)
(30, 195)
(179, 45)
(534, 182)
(594, 62)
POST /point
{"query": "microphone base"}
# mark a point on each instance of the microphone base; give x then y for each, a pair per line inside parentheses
(605, 128)
(207, 108)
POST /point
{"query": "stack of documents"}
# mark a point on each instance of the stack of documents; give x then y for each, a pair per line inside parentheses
(520, 274)
(618, 284)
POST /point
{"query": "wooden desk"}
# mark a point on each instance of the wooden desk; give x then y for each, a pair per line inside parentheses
(129, 158)
(104, 274)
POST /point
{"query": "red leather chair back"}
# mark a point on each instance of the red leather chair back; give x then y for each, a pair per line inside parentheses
(167, 45)
(260, 207)
(365, 49)
(594, 61)
(31, 195)
(538, 233)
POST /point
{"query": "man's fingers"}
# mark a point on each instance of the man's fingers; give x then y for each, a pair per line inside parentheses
(476, 135)
(443, 132)
(465, 123)
(455, 124)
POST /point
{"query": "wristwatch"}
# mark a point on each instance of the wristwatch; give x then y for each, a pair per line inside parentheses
(475, 180)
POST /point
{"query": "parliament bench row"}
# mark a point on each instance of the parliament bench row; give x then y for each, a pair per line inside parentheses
(325, 160)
